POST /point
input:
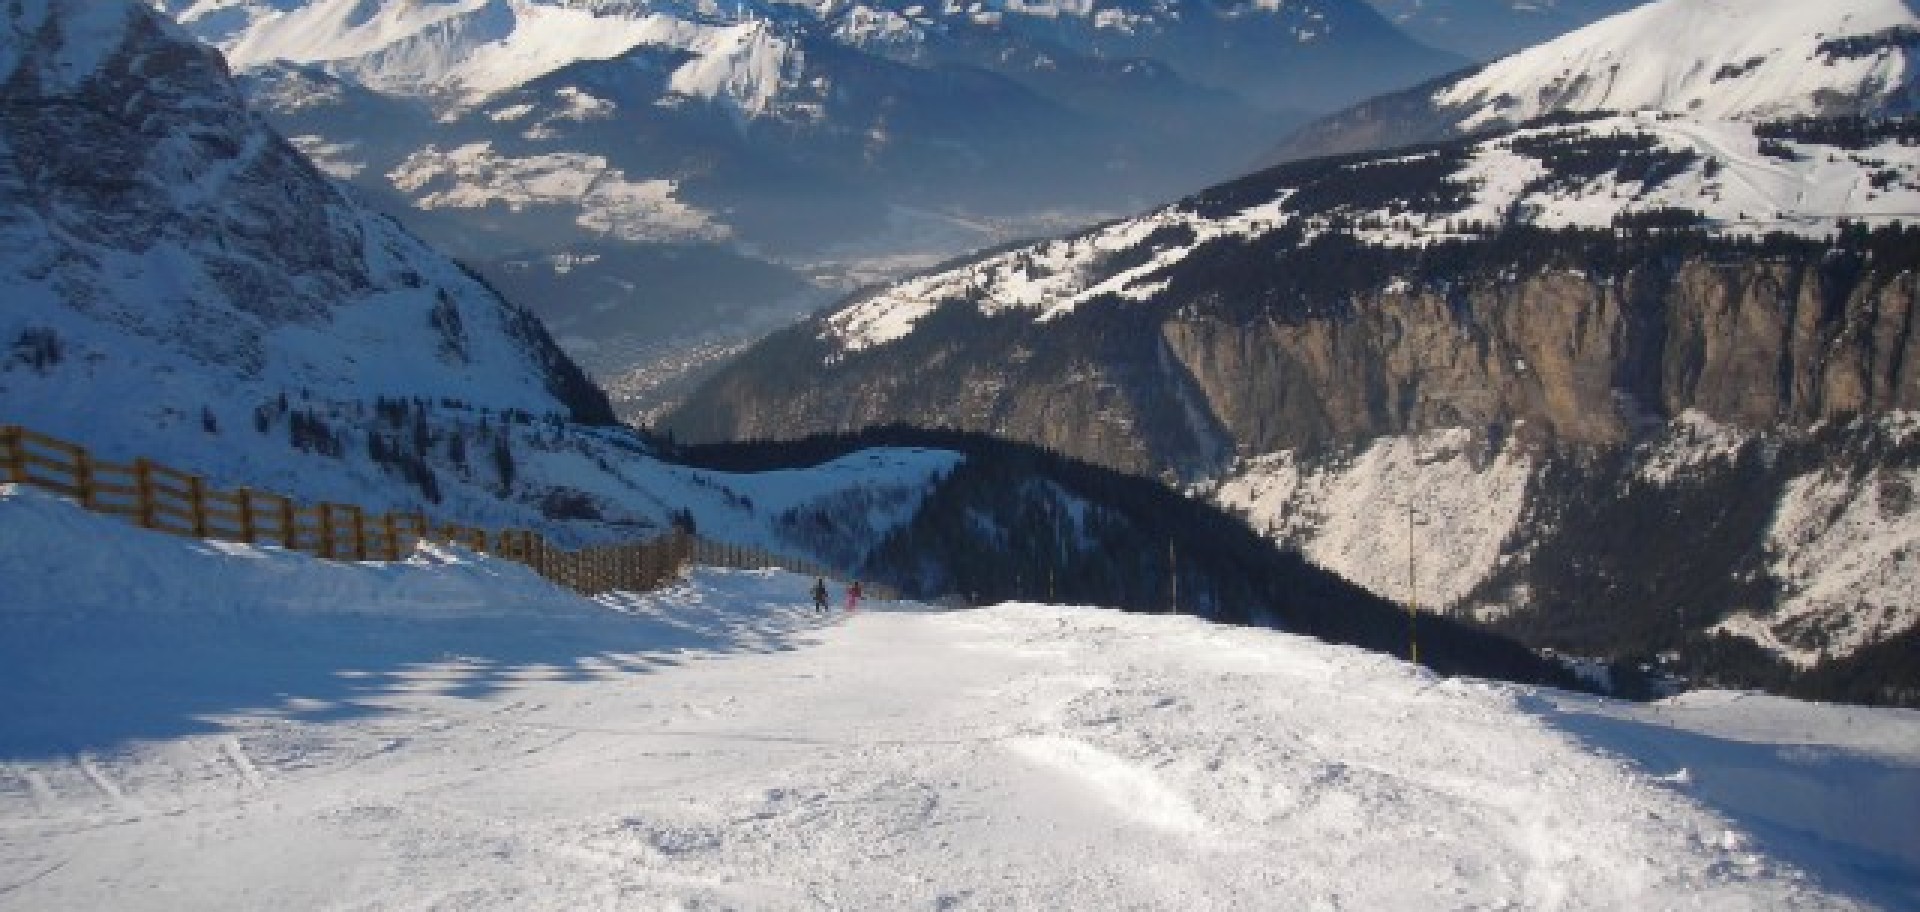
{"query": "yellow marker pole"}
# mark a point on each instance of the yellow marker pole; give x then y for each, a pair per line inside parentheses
(1413, 593)
(1173, 575)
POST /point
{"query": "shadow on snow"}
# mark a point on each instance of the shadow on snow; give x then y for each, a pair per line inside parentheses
(1849, 819)
(94, 682)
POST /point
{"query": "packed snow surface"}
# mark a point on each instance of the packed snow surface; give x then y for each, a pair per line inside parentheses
(223, 727)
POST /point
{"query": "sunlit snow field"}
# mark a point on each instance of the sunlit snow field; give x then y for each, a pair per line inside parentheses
(192, 725)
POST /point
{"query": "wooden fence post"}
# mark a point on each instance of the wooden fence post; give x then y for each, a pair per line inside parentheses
(358, 517)
(83, 476)
(289, 524)
(326, 530)
(393, 536)
(16, 453)
(197, 502)
(143, 492)
(247, 530)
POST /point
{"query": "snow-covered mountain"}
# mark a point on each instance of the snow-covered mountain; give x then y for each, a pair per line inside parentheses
(1519, 336)
(1751, 60)
(1487, 29)
(181, 284)
(154, 223)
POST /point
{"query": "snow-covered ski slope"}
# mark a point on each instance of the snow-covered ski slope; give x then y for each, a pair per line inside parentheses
(218, 727)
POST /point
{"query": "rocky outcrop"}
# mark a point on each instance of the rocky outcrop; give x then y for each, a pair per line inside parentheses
(1577, 359)
(1581, 358)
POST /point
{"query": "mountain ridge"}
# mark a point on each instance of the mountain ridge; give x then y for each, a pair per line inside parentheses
(1576, 297)
(1758, 61)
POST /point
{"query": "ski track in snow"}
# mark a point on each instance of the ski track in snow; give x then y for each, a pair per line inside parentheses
(717, 745)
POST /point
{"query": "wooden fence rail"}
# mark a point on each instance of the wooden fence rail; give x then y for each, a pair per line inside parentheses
(165, 499)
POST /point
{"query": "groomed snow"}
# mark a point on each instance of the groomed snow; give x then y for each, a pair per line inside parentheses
(233, 728)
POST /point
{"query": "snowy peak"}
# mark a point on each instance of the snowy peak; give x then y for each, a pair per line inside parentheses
(1726, 59)
(1747, 60)
(146, 201)
(466, 46)
(182, 284)
(483, 46)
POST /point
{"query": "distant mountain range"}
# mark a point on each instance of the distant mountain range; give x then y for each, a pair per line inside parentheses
(785, 125)
(1638, 378)
(828, 139)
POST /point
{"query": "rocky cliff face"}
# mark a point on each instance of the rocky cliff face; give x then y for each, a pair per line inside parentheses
(1557, 354)
(1701, 456)
(1575, 358)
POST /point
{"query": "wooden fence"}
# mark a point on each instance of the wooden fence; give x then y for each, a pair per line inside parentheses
(168, 500)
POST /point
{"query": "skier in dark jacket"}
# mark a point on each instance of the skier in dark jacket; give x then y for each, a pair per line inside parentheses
(819, 595)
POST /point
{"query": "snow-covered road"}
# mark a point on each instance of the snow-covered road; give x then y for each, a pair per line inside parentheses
(716, 746)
